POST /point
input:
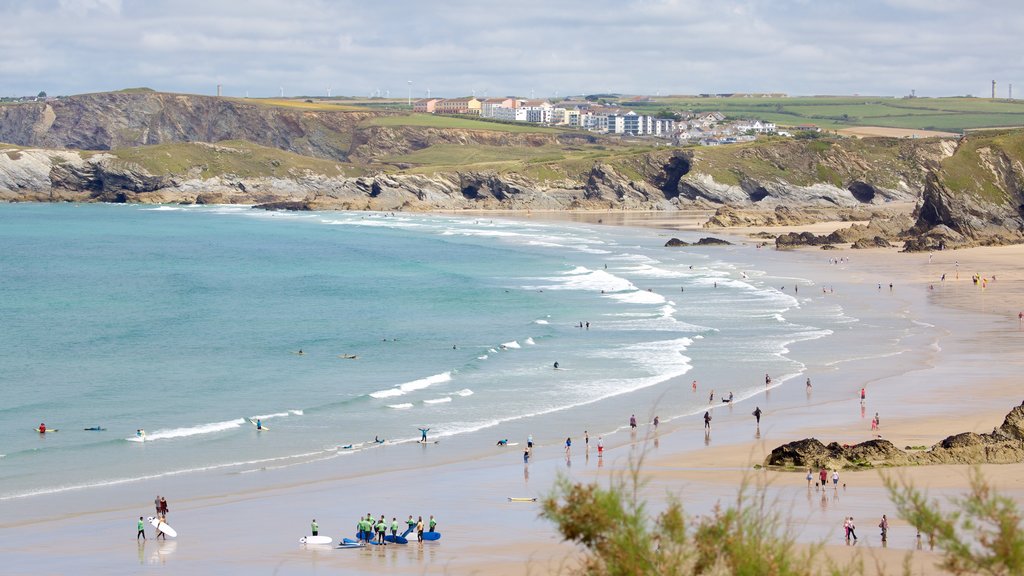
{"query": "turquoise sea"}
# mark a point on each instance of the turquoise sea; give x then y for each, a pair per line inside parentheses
(186, 321)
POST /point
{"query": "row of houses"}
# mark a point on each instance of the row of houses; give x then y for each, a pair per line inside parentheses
(586, 116)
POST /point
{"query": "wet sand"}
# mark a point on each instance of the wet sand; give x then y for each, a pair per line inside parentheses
(966, 379)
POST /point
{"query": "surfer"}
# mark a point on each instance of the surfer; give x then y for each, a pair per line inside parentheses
(42, 428)
(142, 530)
(423, 432)
(419, 530)
(411, 524)
(259, 426)
(382, 527)
(300, 352)
(314, 528)
(503, 442)
(556, 365)
(433, 524)
(377, 440)
(140, 433)
(394, 527)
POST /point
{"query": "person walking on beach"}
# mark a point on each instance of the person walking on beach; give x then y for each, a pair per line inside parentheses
(877, 421)
(757, 414)
(853, 530)
(586, 440)
(600, 445)
(568, 445)
(632, 421)
(846, 528)
(810, 476)
(656, 422)
(433, 524)
(314, 527)
(711, 397)
(884, 526)
(142, 530)
(163, 507)
(526, 457)
(707, 420)
(863, 394)
(823, 476)
(419, 530)
(835, 479)
(156, 503)
(423, 434)
(809, 384)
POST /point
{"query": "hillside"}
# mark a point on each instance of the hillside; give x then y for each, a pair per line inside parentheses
(152, 147)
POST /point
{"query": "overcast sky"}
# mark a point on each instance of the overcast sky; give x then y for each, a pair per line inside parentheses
(458, 47)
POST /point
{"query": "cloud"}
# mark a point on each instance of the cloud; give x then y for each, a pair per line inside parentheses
(941, 47)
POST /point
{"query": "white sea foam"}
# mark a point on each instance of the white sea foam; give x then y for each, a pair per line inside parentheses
(512, 344)
(278, 415)
(438, 400)
(648, 271)
(492, 350)
(400, 406)
(581, 278)
(541, 322)
(484, 357)
(637, 297)
(465, 392)
(412, 386)
(162, 209)
(529, 342)
(190, 431)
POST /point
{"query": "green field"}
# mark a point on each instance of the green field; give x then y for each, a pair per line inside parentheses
(432, 121)
(837, 112)
(227, 157)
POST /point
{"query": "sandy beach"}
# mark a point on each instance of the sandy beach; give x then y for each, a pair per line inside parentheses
(964, 377)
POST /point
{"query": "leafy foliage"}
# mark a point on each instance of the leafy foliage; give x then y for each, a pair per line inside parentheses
(983, 535)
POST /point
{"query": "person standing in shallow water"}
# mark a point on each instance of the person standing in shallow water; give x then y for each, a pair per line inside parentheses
(707, 420)
(632, 421)
(757, 415)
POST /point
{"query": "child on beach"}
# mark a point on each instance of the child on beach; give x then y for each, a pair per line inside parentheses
(142, 529)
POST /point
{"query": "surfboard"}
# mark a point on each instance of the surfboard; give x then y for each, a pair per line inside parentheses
(316, 540)
(431, 535)
(48, 430)
(350, 543)
(163, 527)
(262, 426)
(95, 429)
(511, 499)
(396, 539)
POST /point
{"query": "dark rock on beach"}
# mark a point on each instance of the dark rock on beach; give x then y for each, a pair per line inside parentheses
(1004, 445)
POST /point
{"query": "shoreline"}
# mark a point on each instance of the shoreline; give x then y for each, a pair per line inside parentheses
(678, 455)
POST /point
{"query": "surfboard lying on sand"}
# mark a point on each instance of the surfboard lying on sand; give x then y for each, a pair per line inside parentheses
(316, 540)
(163, 527)
(47, 430)
(396, 539)
(431, 535)
(511, 499)
(350, 543)
(261, 427)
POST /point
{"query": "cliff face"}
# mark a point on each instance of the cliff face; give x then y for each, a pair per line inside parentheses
(154, 147)
(108, 121)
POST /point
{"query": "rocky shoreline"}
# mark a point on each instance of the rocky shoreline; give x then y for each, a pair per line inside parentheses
(1004, 445)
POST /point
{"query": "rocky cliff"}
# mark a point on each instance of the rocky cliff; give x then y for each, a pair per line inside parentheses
(154, 147)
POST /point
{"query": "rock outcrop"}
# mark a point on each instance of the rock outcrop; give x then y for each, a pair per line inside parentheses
(1004, 445)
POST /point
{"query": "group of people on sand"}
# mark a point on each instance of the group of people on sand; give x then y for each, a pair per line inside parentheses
(367, 528)
(528, 451)
(160, 503)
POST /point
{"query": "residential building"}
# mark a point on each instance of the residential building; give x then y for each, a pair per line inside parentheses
(465, 105)
(426, 105)
(488, 106)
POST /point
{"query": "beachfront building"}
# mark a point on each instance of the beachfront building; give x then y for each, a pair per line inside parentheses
(508, 114)
(756, 126)
(425, 106)
(489, 107)
(465, 105)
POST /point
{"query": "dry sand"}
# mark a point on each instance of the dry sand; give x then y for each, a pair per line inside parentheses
(868, 131)
(966, 381)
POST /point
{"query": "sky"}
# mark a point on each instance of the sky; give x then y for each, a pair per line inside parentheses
(524, 48)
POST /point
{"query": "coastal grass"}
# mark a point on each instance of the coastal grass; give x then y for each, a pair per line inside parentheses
(301, 104)
(975, 167)
(834, 112)
(236, 157)
(435, 121)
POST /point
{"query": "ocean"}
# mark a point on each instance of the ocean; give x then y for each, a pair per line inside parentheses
(188, 321)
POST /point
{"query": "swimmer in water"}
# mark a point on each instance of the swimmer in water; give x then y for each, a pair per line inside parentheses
(556, 365)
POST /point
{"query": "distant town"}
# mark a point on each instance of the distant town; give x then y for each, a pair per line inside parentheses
(704, 128)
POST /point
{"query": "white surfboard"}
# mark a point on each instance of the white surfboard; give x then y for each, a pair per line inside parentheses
(163, 527)
(316, 540)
